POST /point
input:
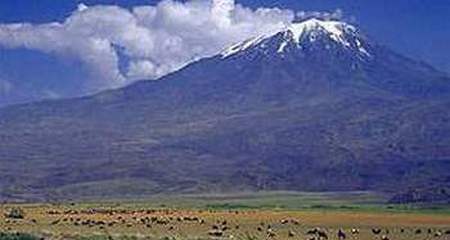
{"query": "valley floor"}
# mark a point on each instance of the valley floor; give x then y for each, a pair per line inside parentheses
(229, 217)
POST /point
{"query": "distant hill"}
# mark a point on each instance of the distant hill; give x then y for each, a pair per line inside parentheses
(317, 106)
(434, 195)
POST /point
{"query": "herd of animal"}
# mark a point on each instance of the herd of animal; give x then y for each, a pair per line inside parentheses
(171, 221)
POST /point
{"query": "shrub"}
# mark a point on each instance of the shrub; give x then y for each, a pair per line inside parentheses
(15, 213)
(17, 236)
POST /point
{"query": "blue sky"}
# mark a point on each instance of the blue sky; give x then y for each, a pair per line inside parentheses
(416, 28)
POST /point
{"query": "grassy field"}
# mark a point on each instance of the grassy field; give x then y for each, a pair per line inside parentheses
(276, 215)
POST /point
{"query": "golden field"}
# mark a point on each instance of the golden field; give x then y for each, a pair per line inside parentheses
(125, 221)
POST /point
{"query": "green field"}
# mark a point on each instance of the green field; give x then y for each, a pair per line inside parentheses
(282, 200)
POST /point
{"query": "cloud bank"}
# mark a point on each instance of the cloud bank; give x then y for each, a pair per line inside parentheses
(121, 45)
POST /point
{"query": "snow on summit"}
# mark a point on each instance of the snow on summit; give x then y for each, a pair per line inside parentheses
(308, 30)
(335, 29)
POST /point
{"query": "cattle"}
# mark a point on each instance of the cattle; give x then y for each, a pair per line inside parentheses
(55, 222)
(376, 231)
(270, 233)
(384, 237)
(321, 234)
(355, 231)
(162, 221)
(341, 234)
(418, 231)
(312, 231)
(291, 234)
(215, 233)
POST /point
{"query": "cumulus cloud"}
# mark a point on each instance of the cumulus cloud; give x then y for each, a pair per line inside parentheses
(155, 40)
(335, 15)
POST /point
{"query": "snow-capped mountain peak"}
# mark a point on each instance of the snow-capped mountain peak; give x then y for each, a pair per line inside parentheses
(307, 31)
(335, 29)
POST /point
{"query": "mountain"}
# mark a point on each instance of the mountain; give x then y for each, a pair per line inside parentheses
(316, 106)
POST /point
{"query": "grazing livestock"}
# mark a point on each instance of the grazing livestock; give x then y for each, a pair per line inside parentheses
(295, 222)
(438, 233)
(55, 222)
(270, 233)
(384, 237)
(376, 231)
(312, 231)
(291, 234)
(215, 233)
(341, 234)
(322, 235)
(355, 231)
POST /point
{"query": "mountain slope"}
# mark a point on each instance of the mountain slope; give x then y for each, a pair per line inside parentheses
(315, 106)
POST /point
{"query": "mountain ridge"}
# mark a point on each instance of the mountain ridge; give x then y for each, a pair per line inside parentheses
(316, 118)
(307, 30)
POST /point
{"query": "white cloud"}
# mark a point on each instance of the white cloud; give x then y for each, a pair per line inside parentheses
(335, 15)
(141, 68)
(155, 40)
